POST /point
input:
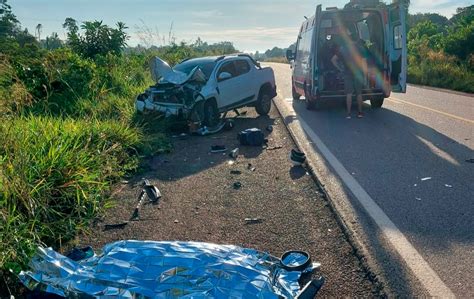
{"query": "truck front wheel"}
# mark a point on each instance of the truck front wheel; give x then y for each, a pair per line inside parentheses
(211, 114)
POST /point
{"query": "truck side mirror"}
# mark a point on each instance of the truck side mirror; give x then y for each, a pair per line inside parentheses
(290, 55)
(224, 76)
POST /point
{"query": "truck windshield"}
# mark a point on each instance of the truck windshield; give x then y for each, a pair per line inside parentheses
(187, 66)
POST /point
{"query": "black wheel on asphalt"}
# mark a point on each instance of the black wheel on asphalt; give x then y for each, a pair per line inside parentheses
(296, 96)
(312, 103)
(211, 114)
(376, 102)
(264, 103)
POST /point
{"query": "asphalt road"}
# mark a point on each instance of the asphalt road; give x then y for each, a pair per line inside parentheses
(410, 157)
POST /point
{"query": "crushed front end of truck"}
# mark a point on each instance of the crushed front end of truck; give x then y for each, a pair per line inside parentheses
(174, 94)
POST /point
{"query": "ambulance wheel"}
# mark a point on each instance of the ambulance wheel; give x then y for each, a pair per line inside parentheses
(376, 102)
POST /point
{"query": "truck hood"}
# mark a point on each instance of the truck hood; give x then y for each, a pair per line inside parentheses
(161, 72)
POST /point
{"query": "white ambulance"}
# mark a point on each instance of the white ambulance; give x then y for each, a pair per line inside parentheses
(383, 30)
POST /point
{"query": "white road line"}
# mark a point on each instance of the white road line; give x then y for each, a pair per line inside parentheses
(421, 269)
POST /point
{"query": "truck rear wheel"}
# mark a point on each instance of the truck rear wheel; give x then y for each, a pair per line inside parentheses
(312, 103)
(376, 102)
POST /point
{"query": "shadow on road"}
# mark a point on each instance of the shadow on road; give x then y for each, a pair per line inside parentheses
(389, 153)
(416, 174)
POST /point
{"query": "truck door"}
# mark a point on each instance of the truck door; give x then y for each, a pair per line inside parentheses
(227, 88)
(314, 50)
(397, 46)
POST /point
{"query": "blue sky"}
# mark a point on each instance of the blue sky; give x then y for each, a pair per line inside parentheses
(250, 25)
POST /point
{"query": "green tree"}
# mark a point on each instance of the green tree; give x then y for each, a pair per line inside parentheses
(52, 42)
(463, 16)
(275, 52)
(460, 41)
(97, 39)
(39, 28)
(424, 35)
(9, 24)
(437, 19)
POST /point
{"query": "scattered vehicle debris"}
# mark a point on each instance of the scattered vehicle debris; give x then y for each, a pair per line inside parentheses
(218, 148)
(311, 288)
(240, 113)
(200, 89)
(253, 136)
(237, 185)
(229, 124)
(297, 157)
(116, 226)
(149, 269)
(253, 220)
(203, 131)
(181, 136)
(136, 214)
(295, 260)
(251, 167)
(149, 191)
(234, 153)
(274, 148)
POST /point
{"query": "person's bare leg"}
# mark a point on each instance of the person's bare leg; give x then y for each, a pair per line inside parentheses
(359, 106)
(359, 103)
(348, 104)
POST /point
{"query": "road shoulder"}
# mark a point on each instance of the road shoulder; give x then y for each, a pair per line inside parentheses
(199, 203)
(371, 248)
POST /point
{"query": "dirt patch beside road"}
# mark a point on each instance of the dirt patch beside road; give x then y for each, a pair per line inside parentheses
(199, 203)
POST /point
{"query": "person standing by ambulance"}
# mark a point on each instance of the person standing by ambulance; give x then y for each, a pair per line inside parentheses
(350, 58)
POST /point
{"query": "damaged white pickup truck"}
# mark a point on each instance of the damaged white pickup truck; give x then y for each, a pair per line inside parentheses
(200, 89)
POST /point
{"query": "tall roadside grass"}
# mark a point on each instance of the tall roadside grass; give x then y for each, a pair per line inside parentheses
(438, 69)
(54, 174)
(68, 132)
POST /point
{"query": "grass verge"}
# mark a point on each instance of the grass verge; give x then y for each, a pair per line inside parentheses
(54, 174)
